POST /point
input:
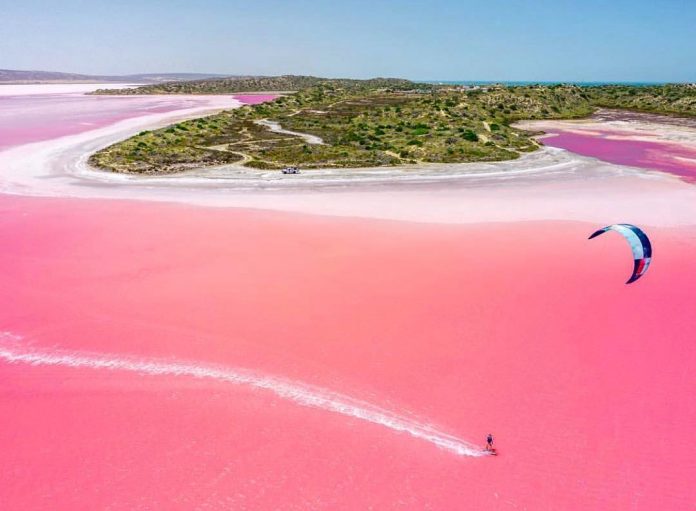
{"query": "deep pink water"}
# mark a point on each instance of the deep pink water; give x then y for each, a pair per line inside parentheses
(255, 99)
(523, 330)
(586, 383)
(668, 157)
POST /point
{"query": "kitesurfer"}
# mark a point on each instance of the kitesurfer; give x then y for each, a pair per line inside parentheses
(489, 442)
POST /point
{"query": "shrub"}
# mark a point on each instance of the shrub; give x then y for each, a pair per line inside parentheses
(470, 135)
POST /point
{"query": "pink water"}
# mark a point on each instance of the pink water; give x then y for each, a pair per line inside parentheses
(524, 330)
(255, 99)
(669, 157)
(586, 383)
(32, 118)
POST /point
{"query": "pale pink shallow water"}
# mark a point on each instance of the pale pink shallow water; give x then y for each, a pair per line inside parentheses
(614, 147)
(525, 330)
(36, 117)
(32, 118)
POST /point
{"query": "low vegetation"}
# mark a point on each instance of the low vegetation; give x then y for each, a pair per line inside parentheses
(235, 84)
(676, 99)
(371, 123)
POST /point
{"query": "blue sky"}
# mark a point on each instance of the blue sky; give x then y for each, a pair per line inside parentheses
(581, 40)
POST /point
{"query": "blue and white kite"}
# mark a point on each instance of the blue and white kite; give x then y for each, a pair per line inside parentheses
(640, 245)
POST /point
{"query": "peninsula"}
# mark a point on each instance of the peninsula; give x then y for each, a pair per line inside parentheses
(331, 123)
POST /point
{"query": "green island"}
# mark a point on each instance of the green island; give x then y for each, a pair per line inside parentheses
(337, 123)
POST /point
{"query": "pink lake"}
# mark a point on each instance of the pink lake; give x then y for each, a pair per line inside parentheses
(615, 147)
(35, 117)
(164, 356)
(586, 382)
(32, 118)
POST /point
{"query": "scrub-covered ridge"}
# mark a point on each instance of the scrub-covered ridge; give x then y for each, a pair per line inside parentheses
(673, 99)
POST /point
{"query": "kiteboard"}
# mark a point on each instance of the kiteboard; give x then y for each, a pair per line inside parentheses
(492, 452)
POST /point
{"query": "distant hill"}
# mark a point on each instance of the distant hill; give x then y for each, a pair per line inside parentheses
(167, 77)
(13, 76)
(285, 83)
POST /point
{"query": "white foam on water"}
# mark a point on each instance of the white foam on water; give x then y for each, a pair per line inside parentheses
(296, 392)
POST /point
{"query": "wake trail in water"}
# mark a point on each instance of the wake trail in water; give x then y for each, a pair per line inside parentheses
(300, 393)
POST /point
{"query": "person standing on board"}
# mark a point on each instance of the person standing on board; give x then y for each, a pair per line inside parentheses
(489, 442)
